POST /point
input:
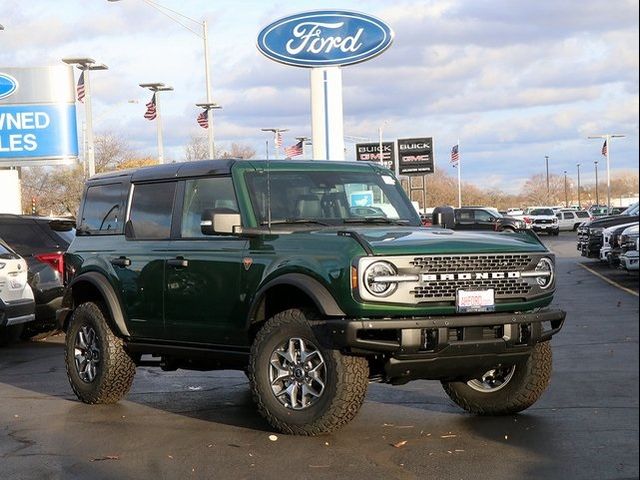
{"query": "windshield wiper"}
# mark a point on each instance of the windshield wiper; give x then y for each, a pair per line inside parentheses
(394, 221)
(290, 221)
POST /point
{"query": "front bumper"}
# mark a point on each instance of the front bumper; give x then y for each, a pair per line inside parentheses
(444, 347)
(545, 227)
(629, 261)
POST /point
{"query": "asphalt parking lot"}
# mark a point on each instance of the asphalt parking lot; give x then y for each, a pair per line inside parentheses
(204, 425)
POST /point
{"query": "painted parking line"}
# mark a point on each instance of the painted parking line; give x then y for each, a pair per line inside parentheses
(608, 280)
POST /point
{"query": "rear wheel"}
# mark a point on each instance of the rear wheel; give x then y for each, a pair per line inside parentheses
(98, 367)
(301, 386)
(505, 389)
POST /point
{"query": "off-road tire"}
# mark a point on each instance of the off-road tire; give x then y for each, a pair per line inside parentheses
(10, 334)
(345, 387)
(115, 370)
(529, 381)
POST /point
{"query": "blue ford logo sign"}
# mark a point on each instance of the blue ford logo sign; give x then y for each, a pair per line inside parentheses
(8, 85)
(325, 38)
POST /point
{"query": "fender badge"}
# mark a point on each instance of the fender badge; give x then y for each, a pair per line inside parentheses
(247, 262)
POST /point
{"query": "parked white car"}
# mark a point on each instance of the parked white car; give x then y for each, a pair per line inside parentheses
(17, 306)
(608, 235)
(570, 219)
(541, 219)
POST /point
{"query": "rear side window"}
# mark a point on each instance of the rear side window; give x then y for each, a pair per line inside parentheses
(151, 209)
(582, 214)
(103, 211)
(27, 238)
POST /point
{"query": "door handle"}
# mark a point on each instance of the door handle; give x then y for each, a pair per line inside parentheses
(178, 262)
(121, 262)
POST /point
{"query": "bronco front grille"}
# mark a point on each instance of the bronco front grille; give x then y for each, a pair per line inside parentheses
(471, 263)
(446, 289)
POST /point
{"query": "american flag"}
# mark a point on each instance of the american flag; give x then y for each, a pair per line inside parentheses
(455, 157)
(80, 88)
(604, 148)
(203, 119)
(151, 112)
(294, 150)
(278, 139)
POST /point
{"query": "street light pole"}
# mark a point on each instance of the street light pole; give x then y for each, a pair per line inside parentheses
(579, 204)
(546, 162)
(209, 107)
(597, 198)
(607, 138)
(157, 87)
(172, 14)
(566, 193)
(276, 132)
(86, 65)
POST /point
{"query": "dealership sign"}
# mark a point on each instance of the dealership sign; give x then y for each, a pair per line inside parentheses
(370, 152)
(324, 38)
(37, 116)
(415, 156)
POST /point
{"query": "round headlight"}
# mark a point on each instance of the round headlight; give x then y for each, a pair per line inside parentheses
(545, 265)
(374, 279)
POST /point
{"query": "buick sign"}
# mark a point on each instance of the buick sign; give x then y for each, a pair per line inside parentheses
(8, 85)
(324, 38)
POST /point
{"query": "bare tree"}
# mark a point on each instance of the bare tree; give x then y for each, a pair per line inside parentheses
(243, 152)
(196, 149)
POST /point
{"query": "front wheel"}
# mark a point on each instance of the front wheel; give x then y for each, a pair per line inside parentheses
(505, 389)
(301, 386)
(98, 367)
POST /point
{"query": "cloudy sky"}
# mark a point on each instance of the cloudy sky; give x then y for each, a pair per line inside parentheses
(515, 80)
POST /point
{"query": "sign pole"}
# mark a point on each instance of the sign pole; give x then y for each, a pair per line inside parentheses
(327, 129)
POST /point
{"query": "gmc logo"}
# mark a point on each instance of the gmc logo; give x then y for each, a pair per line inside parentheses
(434, 277)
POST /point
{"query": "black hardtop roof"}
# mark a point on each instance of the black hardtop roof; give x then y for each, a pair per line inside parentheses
(202, 168)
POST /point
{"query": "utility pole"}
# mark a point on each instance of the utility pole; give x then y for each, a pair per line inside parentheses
(579, 204)
(546, 162)
(597, 198)
(606, 151)
(157, 87)
(86, 65)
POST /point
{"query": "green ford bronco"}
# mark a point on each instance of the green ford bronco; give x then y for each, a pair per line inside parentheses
(313, 277)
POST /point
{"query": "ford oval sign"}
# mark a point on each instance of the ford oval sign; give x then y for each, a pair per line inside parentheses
(8, 85)
(325, 38)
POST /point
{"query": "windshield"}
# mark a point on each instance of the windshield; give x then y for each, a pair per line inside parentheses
(331, 198)
(632, 210)
(541, 211)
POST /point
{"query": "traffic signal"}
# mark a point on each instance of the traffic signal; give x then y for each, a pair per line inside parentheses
(33, 206)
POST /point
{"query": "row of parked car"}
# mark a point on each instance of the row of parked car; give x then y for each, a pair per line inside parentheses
(31, 274)
(612, 239)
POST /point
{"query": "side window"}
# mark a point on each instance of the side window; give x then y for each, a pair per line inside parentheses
(482, 216)
(103, 209)
(465, 216)
(151, 209)
(569, 216)
(202, 194)
(559, 215)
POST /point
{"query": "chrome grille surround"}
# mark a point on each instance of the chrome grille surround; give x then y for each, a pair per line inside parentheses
(436, 278)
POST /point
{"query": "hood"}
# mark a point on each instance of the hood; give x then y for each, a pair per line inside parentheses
(394, 240)
(610, 221)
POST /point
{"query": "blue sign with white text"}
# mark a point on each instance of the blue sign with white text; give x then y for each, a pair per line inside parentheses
(325, 38)
(38, 131)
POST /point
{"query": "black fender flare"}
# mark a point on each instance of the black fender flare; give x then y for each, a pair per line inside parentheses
(107, 292)
(317, 292)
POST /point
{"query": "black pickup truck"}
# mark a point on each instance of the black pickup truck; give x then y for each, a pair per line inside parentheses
(476, 218)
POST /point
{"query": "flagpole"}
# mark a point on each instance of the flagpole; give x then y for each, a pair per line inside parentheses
(459, 175)
(156, 88)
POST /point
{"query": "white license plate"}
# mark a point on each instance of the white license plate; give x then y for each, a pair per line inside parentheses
(475, 301)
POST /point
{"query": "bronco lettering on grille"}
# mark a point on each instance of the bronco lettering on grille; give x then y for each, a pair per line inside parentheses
(434, 277)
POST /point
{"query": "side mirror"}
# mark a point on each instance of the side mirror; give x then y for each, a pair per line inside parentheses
(214, 222)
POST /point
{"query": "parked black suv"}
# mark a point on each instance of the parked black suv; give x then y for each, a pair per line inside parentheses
(41, 241)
